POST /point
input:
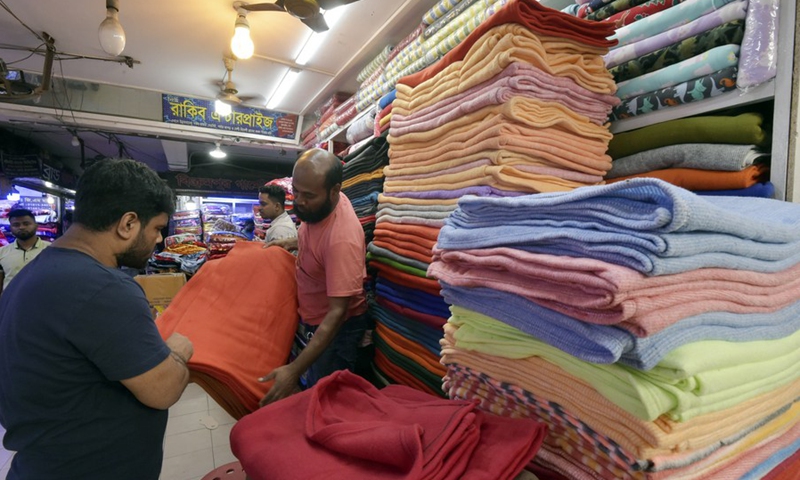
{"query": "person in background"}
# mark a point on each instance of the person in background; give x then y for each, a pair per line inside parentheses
(21, 251)
(330, 275)
(85, 377)
(272, 206)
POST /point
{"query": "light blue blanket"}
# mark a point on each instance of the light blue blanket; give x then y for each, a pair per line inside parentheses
(645, 224)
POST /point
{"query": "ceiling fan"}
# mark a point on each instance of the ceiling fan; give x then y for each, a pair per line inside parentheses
(308, 11)
(228, 93)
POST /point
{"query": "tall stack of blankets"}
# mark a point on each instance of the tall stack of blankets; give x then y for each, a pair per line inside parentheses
(517, 107)
(363, 181)
(655, 331)
(672, 52)
(709, 155)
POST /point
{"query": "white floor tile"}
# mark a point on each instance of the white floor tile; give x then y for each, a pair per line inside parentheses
(185, 423)
(189, 466)
(222, 456)
(221, 435)
(189, 405)
(182, 443)
(220, 415)
(193, 390)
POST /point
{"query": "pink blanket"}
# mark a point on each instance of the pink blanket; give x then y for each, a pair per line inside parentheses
(608, 294)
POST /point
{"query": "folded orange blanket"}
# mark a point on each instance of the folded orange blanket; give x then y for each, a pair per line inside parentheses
(427, 285)
(694, 179)
(240, 312)
(429, 233)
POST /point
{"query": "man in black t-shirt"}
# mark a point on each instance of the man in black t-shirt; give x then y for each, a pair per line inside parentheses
(85, 378)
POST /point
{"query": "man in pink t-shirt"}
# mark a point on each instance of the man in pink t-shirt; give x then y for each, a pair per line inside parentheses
(330, 275)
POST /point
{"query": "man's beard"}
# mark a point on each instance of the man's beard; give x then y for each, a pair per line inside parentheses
(315, 216)
(137, 255)
(25, 235)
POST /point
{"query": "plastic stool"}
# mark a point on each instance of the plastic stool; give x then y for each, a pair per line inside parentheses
(229, 471)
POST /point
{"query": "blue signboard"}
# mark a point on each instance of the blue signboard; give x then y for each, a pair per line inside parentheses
(200, 113)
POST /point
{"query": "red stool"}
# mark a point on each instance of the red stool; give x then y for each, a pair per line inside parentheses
(229, 471)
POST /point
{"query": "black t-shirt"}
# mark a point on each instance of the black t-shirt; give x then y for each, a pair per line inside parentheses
(70, 330)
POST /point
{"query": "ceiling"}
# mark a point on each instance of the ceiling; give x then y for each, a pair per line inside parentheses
(178, 47)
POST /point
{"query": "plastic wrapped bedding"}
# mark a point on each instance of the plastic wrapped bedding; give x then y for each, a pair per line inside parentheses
(759, 56)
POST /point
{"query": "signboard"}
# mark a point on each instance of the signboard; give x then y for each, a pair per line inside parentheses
(200, 113)
(217, 180)
(29, 165)
(34, 204)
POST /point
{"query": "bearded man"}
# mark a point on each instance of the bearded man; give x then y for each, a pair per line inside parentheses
(85, 378)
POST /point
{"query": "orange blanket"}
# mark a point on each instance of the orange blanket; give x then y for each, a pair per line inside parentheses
(694, 179)
(240, 312)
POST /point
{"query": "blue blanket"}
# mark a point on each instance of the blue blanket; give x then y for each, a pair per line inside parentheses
(609, 344)
(413, 299)
(420, 333)
(645, 224)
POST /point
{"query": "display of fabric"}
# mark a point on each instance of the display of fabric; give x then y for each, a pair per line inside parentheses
(729, 13)
(759, 46)
(240, 321)
(357, 431)
(763, 190)
(656, 228)
(704, 64)
(446, 18)
(744, 129)
(611, 8)
(695, 90)
(728, 33)
(666, 20)
(641, 11)
(695, 179)
(374, 64)
(705, 156)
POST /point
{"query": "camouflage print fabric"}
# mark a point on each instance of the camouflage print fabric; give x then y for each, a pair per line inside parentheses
(701, 88)
(613, 8)
(726, 34)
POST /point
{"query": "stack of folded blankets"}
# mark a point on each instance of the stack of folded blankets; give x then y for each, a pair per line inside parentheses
(186, 221)
(672, 52)
(384, 115)
(363, 181)
(240, 321)
(655, 331)
(519, 106)
(709, 155)
(345, 428)
(327, 118)
(443, 27)
(210, 213)
(183, 252)
(221, 242)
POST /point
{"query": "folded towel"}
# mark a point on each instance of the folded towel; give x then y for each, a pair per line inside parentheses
(646, 224)
(695, 179)
(763, 190)
(703, 156)
(377, 251)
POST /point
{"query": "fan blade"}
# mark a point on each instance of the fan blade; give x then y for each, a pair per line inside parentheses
(331, 4)
(316, 23)
(263, 7)
(252, 99)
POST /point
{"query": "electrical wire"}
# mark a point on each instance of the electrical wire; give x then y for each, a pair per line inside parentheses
(33, 52)
(5, 7)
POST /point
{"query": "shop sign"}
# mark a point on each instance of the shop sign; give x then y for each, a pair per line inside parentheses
(14, 165)
(34, 204)
(214, 184)
(200, 113)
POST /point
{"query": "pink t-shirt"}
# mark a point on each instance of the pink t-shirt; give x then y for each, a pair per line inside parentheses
(331, 263)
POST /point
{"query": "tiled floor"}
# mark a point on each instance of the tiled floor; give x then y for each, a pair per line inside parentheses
(196, 442)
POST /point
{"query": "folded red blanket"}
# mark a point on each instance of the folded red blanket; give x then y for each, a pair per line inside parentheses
(240, 312)
(345, 428)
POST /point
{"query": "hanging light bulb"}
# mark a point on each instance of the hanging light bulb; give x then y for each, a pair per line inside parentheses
(241, 43)
(217, 152)
(222, 109)
(76, 142)
(112, 36)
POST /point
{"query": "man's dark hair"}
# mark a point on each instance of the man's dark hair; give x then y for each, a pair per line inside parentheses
(334, 174)
(110, 188)
(275, 192)
(20, 212)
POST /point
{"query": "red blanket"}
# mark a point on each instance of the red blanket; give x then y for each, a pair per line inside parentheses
(345, 428)
(240, 312)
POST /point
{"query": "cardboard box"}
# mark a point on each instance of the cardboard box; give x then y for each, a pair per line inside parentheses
(161, 288)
